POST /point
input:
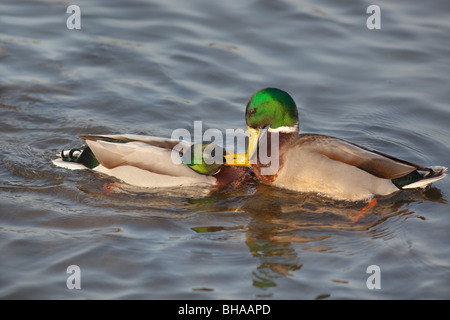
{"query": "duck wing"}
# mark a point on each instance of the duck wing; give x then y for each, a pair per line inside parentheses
(153, 154)
(372, 161)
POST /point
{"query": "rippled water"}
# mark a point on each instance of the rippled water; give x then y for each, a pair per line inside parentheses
(149, 67)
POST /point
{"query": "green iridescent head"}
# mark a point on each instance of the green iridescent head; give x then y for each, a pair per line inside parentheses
(204, 158)
(271, 107)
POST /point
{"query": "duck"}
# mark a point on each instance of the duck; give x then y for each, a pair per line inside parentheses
(149, 162)
(325, 165)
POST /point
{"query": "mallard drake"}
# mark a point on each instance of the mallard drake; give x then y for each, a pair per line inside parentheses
(319, 163)
(150, 162)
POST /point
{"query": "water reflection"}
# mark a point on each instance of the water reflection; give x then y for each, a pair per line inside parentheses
(280, 228)
(283, 223)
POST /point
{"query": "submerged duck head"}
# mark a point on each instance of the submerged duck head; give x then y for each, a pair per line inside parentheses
(207, 163)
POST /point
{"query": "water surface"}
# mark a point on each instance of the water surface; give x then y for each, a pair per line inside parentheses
(149, 67)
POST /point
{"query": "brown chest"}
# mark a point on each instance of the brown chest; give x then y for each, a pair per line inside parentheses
(270, 159)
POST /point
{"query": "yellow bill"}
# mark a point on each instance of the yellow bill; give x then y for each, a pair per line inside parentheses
(243, 159)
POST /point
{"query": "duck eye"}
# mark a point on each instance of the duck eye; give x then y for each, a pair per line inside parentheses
(252, 111)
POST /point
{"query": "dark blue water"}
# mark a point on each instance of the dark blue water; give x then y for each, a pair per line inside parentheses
(149, 67)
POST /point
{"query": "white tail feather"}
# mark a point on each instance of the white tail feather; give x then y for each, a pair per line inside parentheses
(68, 165)
(423, 183)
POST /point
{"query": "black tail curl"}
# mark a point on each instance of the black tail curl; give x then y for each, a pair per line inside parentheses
(83, 156)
